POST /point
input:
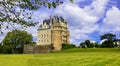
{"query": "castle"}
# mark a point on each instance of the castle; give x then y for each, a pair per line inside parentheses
(53, 32)
(50, 36)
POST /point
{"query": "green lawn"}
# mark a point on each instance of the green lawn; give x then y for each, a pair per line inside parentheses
(71, 57)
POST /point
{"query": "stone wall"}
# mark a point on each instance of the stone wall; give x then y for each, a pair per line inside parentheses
(36, 49)
(28, 49)
(42, 49)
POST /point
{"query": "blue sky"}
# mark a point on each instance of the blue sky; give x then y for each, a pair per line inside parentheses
(87, 19)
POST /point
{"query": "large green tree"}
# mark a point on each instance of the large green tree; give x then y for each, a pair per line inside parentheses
(110, 39)
(11, 16)
(16, 40)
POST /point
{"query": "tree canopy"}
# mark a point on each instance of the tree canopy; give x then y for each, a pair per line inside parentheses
(17, 39)
(110, 40)
(108, 36)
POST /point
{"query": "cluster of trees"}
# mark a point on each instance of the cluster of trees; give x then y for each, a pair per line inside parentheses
(110, 42)
(68, 46)
(88, 44)
(14, 41)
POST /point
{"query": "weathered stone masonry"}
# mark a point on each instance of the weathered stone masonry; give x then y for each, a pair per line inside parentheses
(50, 36)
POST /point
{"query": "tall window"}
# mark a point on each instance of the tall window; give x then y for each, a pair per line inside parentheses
(47, 40)
(47, 35)
(41, 41)
(44, 41)
(44, 35)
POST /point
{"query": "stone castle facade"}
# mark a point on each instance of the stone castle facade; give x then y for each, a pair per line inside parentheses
(53, 31)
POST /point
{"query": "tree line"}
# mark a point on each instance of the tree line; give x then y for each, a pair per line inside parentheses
(110, 42)
(15, 40)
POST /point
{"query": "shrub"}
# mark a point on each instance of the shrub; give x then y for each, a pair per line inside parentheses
(67, 46)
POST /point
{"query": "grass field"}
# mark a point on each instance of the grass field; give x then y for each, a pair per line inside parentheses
(70, 57)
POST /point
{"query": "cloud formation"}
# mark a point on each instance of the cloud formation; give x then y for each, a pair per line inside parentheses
(111, 23)
(82, 21)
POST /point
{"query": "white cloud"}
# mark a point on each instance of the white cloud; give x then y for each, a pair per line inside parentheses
(111, 22)
(76, 14)
(97, 8)
(82, 21)
(112, 17)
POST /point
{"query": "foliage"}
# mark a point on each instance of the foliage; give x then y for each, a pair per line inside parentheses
(7, 49)
(92, 45)
(111, 39)
(71, 1)
(89, 44)
(67, 46)
(0, 48)
(82, 45)
(108, 36)
(96, 45)
(11, 16)
(17, 39)
(108, 44)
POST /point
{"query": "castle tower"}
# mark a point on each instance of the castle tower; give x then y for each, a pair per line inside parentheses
(54, 32)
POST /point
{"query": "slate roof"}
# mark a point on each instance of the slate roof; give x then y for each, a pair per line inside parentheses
(47, 21)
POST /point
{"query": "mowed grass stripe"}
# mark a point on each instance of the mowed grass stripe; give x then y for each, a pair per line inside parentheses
(70, 57)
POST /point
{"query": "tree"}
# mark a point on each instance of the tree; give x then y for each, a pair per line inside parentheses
(108, 36)
(82, 45)
(87, 43)
(110, 40)
(11, 16)
(16, 40)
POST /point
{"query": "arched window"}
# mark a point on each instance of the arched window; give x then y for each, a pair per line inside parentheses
(42, 35)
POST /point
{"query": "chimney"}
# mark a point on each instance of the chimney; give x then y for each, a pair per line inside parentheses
(50, 17)
(51, 20)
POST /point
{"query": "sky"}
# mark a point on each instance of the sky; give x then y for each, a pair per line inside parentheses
(87, 19)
